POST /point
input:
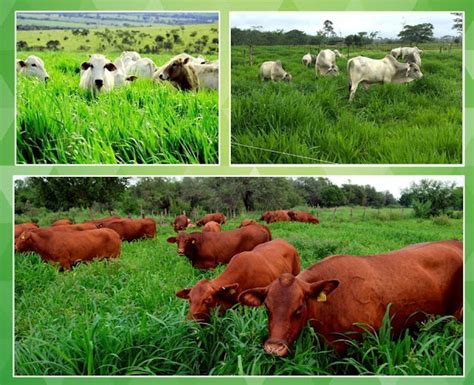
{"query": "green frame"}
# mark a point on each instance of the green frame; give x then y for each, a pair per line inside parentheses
(8, 169)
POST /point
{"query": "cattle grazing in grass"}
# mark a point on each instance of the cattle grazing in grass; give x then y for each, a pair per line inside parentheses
(308, 59)
(341, 293)
(103, 220)
(275, 216)
(248, 222)
(207, 74)
(142, 68)
(70, 247)
(326, 62)
(62, 222)
(302, 216)
(207, 250)
(33, 66)
(413, 57)
(211, 227)
(405, 51)
(216, 217)
(273, 70)
(23, 227)
(181, 222)
(246, 270)
(131, 229)
(366, 71)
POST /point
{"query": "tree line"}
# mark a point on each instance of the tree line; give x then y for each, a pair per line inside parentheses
(230, 194)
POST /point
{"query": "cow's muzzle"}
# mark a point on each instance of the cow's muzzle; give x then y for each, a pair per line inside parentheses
(198, 317)
(180, 251)
(162, 76)
(276, 347)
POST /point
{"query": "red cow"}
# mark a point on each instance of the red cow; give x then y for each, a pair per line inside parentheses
(211, 227)
(23, 227)
(251, 222)
(341, 291)
(207, 250)
(246, 270)
(131, 229)
(247, 222)
(103, 220)
(181, 222)
(70, 247)
(302, 216)
(276, 216)
(62, 222)
(216, 217)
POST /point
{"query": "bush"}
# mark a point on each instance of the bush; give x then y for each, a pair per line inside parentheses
(441, 220)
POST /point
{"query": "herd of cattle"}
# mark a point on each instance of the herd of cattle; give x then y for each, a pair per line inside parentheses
(360, 69)
(98, 74)
(334, 295)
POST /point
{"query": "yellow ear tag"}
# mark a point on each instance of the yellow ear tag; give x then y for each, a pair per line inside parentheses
(232, 291)
(322, 297)
(193, 241)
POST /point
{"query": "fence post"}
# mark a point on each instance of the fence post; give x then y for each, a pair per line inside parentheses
(351, 213)
(334, 214)
(363, 216)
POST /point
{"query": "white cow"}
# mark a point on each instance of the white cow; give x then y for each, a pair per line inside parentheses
(273, 70)
(366, 71)
(404, 51)
(207, 74)
(326, 62)
(142, 68)
(307, 59)
(126, 60)
(413, 57)
(33, 66)
(100, 74)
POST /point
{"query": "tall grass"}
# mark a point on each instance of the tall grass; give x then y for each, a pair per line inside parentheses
(122, 316)
(311, 121)
(143, 123)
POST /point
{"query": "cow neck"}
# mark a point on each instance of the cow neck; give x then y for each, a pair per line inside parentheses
(36, 246)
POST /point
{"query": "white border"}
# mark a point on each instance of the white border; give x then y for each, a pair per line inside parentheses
(339, 165)
(465, 319)
(219, 105)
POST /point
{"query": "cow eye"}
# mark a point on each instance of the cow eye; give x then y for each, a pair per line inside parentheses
(298, 311)
(33, 65)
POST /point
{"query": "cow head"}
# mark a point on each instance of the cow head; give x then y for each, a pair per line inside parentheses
(204, 296)
(23, 242)
(186, 242)
(97, 68)
(413, 72)
(175, 69)
(287, 300)
(287, 77)
(265, 216)
(33, 66)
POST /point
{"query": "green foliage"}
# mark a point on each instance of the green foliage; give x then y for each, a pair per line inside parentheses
(442, 220)
(419, 33)
(310, 120)
(122, 317)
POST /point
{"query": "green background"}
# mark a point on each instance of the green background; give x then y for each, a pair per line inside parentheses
(8, 168)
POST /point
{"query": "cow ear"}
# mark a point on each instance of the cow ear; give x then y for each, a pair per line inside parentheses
(228, 290)
(184, 294)
(186, 60)
(22, 63)
(321, 289)
(171, 240)
(85, 66)
(253, 297)
(131, 78)
(111, 67)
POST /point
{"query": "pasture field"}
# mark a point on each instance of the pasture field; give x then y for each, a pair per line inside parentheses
(310, 120)
(122, 317)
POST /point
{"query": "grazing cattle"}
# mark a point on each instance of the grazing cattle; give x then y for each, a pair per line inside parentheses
(23, 227)
(307, 59)
(246, 270)
(344, 291)
(62, 222)
(366, 71)
(68, 248)
(33, 66)
(273, 70)
(326, 62)
(131, 229)
(142, 68)
(216, 217)
(275, 216)
(207, 74)
(181, 222)
(211, 227)
(413, 57)
(302, 216)
(207, 250)
(404, 51)
(248, 222)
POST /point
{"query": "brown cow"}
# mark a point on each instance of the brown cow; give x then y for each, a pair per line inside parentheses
(207, 250)
(246, 270)
(276, 216)
(216, 217)
(342, 291)
(247, 222)
(302, 216)
(102, 220)
(62, 222)
(131, 229)
(180, 74)
(211, 227)
(67, 248)
(23, 227)
(181, 222)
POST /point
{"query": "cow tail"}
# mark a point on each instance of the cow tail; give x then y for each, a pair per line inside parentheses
(349, 66)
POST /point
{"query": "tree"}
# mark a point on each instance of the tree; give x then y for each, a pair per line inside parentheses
(332, 196)
(53, 45)
(457, 22)
(21, 45)
(328, 28)
(416, 34)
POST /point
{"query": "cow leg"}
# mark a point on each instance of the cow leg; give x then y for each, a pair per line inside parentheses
(366, 85)
(353, 88)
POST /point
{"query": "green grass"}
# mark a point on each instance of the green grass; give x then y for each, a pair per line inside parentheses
(141, 123)
(311, 121)
(122, 317)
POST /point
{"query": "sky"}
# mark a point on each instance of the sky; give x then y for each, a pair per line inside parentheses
(389, 24)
